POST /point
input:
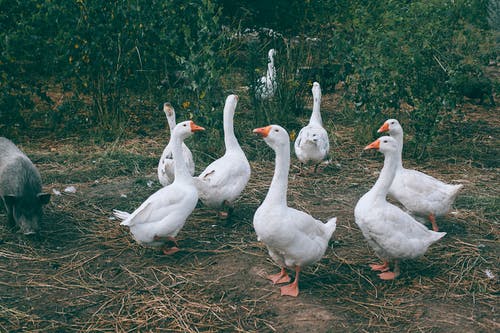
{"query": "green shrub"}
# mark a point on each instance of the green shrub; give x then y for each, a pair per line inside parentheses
(29, 47)
(402, 55)
(103, 53)
(113, 62)
(165, 50)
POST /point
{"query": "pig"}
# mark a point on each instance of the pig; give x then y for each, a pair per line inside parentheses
(20, 188)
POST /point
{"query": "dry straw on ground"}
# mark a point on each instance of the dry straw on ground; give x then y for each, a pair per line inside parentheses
(85, 273)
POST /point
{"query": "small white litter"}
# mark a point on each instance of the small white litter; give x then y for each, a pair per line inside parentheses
(149, 183)
(489, 274)
(123, 195)
(56, 192)
(70, 189)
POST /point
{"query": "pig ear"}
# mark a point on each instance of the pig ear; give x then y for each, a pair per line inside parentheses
(44, 198)
(9, 200)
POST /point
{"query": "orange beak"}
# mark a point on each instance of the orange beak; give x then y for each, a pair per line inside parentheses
(384, 128)
(196, 128)
(263, 131)
(374, 145)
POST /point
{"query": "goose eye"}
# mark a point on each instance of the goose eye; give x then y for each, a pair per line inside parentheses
(184, 125)
(392, 123)
(385, 141)
(276, 130)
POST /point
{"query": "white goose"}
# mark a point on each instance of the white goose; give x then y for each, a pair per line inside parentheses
(158, 219)
(312, 143)
(293, 238)
(421, 194)
(225, 178)
(392, 233)
(266, 86)
(166, 164)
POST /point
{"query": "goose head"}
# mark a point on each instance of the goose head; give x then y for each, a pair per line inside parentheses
(384, 144)
(186, 128)
(231, 102)
(229, 109)
(392, 126)
(316, 91)
(170, 113)
(274, 135)
(169, 110)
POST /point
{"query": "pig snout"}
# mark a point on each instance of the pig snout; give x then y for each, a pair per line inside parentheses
(28, 226)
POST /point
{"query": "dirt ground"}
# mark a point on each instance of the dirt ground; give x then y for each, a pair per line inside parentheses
(85, 273)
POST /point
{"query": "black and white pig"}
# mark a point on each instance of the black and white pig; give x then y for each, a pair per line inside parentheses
(20, 188)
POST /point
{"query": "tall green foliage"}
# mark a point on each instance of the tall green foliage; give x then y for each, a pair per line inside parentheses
(397, 58)
(403, 55)
(29, 46)
(107, 51)
(129, 47)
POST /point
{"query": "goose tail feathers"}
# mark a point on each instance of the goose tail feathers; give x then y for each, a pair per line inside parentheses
(437, 236)
(456, 190)
(330, 226)
(121, 215)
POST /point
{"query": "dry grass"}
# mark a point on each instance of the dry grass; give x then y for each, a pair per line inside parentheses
(84, 272)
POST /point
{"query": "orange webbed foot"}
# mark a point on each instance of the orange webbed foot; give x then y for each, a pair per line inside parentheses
(387, 276)
(281, 277)
(225, 212)
(170, 250)
(223, 215)
(291, 289)
(380, 267)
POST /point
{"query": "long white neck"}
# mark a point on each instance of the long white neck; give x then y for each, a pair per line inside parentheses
(180, 171)
(384, 181)
(229, 138)
(398, 136)
(271, 72)
(279, 185)
(316, 115)
(171, 122)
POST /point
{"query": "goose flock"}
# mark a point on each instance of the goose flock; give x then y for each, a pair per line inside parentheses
(294, 239)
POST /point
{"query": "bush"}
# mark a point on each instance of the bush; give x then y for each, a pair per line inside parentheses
(402, 55)
(106, 52)
(167, 50)
(114, 61)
